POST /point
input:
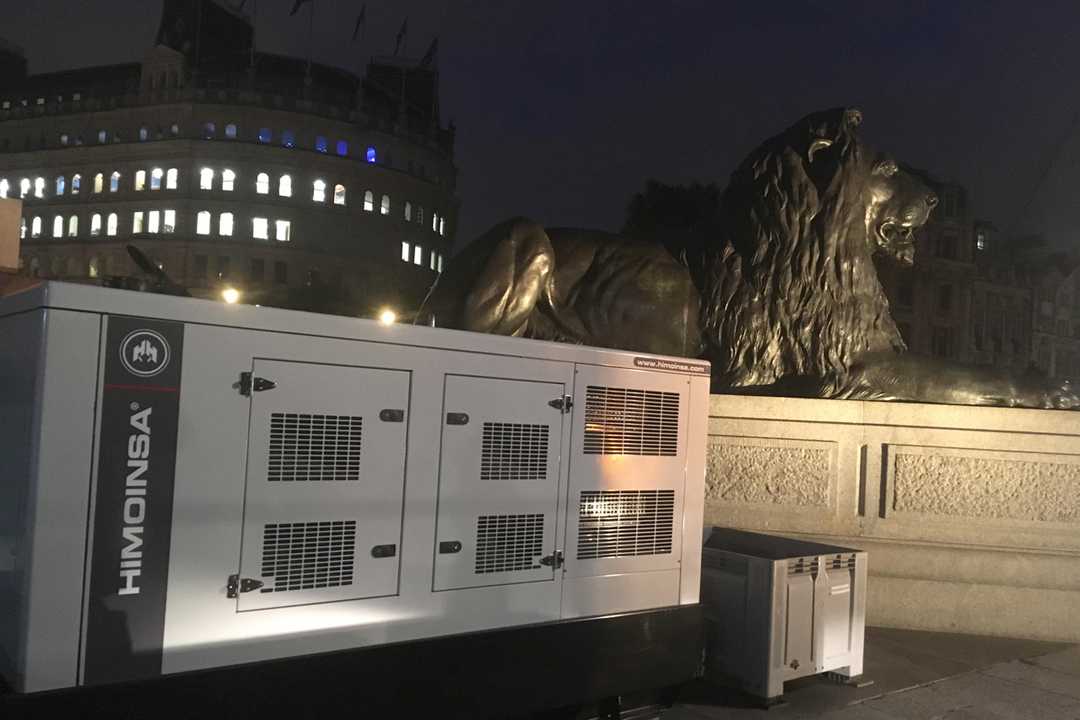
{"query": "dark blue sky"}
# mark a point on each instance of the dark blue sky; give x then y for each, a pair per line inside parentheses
(564, 108)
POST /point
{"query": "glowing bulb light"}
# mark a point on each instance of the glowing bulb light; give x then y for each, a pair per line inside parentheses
(230, 295)
(388, 317)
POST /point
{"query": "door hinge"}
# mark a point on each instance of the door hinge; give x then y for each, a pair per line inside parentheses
(236, 585)
(562, 404)
(555, 560)
(248, 384)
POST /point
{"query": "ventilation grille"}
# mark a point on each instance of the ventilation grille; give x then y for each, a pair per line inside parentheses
(514, 451)
(505, 543)
(314, 447)
(625, 421)
(841, 562)
(307, 556)
(625, 523)
(800, 566)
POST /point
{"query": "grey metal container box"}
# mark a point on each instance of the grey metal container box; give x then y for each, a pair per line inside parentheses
(778, 609)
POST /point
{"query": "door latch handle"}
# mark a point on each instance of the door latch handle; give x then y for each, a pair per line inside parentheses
(555, 560)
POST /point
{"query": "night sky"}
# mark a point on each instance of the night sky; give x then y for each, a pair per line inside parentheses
(565, 108)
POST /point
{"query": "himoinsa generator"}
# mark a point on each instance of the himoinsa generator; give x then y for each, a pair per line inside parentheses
(260, 508)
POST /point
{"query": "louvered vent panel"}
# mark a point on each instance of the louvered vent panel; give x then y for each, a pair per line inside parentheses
(314, 447)
(800, 566)
(308, 556)
(625, 523)
(627, 421)
(505, 543)
(514, 451)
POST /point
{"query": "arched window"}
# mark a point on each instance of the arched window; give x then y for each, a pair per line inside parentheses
(5, 188)
(99, 183)
(287, 138)
(228, 180)
(265, 135)
(408, 211)
(60, 183)
(24, 187)
(140, 180)
(225, 224)
(93, 267)
(369, 200)
(284, 188)
(57, 226)
(320, 144)
(170, 179)
(114, 182)
(144, 134)
(342, 148)
(202, 223)
(73, 226)
(111, 225)
(103, 136)
(95, 225)
(206, 179)
(35, 227)
(318, 191)
(370, 154)
(434, 222)
(230, 131)
(262, 183)
(209, 131)
(155, 178)
(39, 187)
(384, 208)
(442, 226)
(339, 194)
(76, 182)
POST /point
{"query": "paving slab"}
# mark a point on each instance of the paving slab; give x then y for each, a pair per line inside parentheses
(1037, 676)
(1065, 661)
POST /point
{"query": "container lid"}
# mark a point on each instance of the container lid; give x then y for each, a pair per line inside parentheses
(770, 547)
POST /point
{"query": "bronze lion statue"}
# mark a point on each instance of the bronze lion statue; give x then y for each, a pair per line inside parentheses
(785, 300)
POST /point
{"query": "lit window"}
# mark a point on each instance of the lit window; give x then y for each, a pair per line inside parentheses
(95, 225)
(76, 182)
(265, 135)
(408, 211)
(153, 221)
(370, 155)
(22, 229)
(59, 186)
(225, 224)
(24, 187)
(431, 261)
(259, 228)
(440, 263)
(144, 134)
(4, 187)
(73, 226)
(434, 222)
(320, 144)
(92, 266)
(230, 131)
(102, 136)
(282, 230)
(41, 101)
(63, 138)
(405, 251)
(111, 225)
(369, 200)
(262, 183)
(418, 255)
(155, 178)
(384, 207)
(209, 130)
(137, 222)
(99, 183)
(39, 187)
(206, 179)
(169, 221)
(442, 226)
(318, 191)
(76, 97)
(202, 223)
(170, 179)
(228, 180)
(284, 188)
(339, 194)
(114, 182)
(57, 226)
(287, 138)
(342, 148)
(174, 129)
(140, 180)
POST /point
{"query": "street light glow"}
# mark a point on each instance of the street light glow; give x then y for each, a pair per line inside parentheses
(230, 295)
(387, 317)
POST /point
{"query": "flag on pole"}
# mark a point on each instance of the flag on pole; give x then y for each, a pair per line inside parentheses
(430, 56)
(402, 35)
(361, 22)
(297, 5)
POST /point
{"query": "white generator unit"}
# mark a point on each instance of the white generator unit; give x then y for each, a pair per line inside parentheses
(778, 609)
(189, 485)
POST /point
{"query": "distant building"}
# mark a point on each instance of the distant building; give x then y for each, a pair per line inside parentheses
(232, 167)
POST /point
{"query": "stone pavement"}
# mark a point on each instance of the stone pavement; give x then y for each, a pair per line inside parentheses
(921, 676)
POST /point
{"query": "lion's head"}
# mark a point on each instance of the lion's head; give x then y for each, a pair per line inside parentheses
(790, 289)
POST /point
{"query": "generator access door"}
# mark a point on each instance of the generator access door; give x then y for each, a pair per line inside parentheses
(498, 482)
(325, 481)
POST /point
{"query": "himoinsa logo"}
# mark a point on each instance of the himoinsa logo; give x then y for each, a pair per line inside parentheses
(144, 353)
(138, 462)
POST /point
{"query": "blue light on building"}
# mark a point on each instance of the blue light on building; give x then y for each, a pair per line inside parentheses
(371, 154)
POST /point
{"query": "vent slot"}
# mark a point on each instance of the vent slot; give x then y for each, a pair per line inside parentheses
(842, 562)
(308, 556)
(514, 451)
(506, 543)
(625, 523)
(626, 421)
(800, 566)
(307, 447)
